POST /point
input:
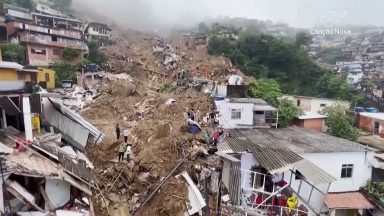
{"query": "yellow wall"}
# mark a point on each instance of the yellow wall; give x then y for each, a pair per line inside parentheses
(41, 77)
(8, 74)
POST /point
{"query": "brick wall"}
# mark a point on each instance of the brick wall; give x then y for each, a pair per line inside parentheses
(366, 124)
(314, 124)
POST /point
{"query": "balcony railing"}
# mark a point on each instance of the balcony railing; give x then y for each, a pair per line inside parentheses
(39, 40)
(45, 30)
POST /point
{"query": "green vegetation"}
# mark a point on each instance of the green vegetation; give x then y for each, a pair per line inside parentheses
(269, 91)
(376, 189)
(95, 55)
(64, 71)
(13, 52)
(267, 57)
(62, 5)
(339, 123)
(28, 4)
(71, 54)
(331, 55)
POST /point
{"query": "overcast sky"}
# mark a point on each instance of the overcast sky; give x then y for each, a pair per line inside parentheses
(297, 13)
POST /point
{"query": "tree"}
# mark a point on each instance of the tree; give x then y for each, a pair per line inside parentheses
(203, 28)
(64, 71)
(268, 90)
(219, 46)
(62, 5)
(331, 55)
(95, 55)
(70, 54)
(287, 112)
(339, 124)
(302, 38)
(13, 52)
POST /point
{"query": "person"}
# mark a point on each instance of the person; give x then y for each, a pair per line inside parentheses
(207, 136)
(192, 114)
(212, 117)
(121, 150)
(128, 153)
(125, 132)
(117, 131)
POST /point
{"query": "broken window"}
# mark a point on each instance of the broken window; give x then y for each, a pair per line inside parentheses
(346, 170)
(235, 113)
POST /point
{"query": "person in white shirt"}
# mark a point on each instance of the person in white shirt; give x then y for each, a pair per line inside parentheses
(126, 132)
(128, 152)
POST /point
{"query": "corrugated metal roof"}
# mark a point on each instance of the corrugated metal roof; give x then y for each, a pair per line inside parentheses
(96, 135)
(5, 149)
(297, 139)
(19, 14)
(73, 132)
(351, 200)
(196, 200)
(264, 107)
(312, 172)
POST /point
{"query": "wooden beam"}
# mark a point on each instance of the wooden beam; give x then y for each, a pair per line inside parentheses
(48, 203)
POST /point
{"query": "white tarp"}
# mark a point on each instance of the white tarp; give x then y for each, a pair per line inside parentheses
(58, 192)
(32, 213)
(70, 213)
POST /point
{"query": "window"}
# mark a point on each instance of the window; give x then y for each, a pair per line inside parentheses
(47, 77)
(37, 51)
(298, 103)
(56, 52)
(259, 112)
(323, 105)
(235, 113)
(346, 170)
(54, 38)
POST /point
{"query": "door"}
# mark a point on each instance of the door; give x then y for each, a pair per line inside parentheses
(376, 128)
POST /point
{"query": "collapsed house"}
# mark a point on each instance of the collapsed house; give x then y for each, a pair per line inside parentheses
(46, 170)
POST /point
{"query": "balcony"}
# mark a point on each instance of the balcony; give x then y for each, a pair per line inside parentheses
(51, 41)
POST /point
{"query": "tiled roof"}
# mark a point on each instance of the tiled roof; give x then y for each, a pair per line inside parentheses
(351, 200)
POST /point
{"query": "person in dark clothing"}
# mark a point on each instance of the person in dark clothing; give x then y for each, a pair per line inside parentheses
(192, 114)
(118, 131)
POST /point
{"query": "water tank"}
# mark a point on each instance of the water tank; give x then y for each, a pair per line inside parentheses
(359, 109)
(371, 110)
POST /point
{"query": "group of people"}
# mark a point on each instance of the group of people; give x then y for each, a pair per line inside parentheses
(213, 138)
(124, 148)
(192, 114)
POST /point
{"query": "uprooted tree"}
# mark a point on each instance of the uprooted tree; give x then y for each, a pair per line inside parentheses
(339, 123)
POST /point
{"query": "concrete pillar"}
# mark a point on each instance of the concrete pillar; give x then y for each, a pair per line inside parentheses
(4, 117)
(27, 119)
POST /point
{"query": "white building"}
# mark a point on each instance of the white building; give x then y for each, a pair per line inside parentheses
(320, 170)
(98, 31)
(246, 113)
(313, 104)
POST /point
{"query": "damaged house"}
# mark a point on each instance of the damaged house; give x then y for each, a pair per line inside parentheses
(46, 170)
(98, 31)
(293, 171)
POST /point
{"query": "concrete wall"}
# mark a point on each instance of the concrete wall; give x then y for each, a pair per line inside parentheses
(8, 74)
(314, 105)
(44, 74)
(332, 163)
(225, 120)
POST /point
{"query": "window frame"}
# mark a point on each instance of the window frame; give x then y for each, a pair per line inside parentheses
(235, 111)
(346, 171)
